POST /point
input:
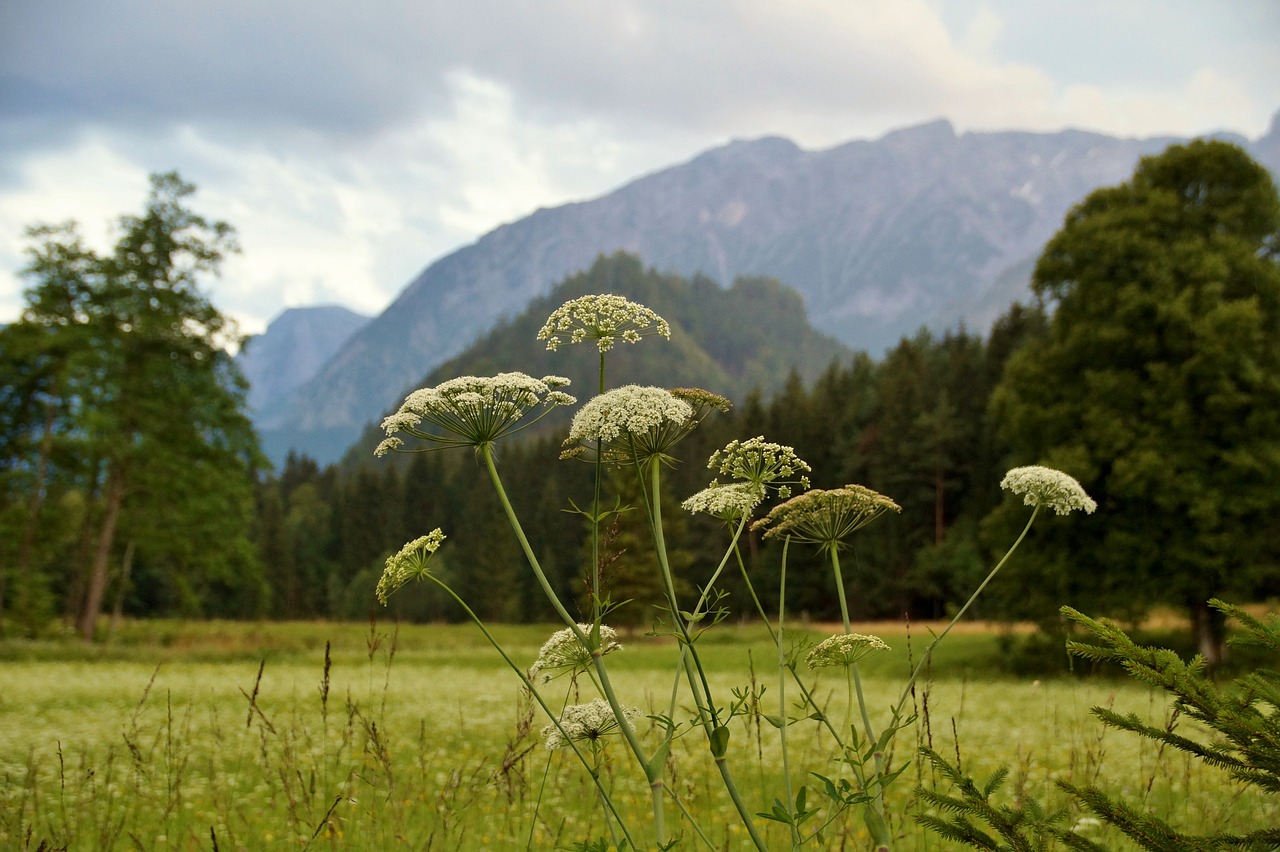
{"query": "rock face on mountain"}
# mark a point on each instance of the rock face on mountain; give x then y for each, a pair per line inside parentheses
(921, 227)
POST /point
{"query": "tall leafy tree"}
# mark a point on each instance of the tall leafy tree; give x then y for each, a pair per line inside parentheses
(149, 405)
(1157, 384)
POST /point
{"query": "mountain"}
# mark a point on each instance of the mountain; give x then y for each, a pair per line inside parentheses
(923, 226)
(291, 351)
(752, 335)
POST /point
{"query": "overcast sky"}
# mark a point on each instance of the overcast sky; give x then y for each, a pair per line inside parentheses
(352, 144)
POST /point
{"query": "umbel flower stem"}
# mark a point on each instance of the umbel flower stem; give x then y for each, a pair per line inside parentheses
(710, 721)
(555, 717)
(653, 774)
(852, 674)
(906, 691)
(782, 686)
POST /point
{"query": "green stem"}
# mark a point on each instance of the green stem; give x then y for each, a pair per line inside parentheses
(555, 718)
(782, 687)
(928, 651)
(878, 802)
(654, 776)
(710, 720)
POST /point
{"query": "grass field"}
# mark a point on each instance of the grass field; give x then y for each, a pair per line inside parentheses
(241, 736)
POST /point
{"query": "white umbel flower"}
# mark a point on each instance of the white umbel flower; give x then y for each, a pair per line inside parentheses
(604, 318)
(844, 649)
(564, 652)
(585, 723)
(409, 564)
(632, 423)
(1045, 486)
(472, 410)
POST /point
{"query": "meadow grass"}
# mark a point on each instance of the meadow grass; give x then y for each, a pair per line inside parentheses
(220, 735)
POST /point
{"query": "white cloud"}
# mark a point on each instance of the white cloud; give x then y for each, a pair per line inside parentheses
(350, 148)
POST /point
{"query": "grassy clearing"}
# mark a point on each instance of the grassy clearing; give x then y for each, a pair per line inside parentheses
(236, 736)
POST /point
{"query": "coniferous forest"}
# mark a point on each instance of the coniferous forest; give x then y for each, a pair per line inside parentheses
(1143, 362)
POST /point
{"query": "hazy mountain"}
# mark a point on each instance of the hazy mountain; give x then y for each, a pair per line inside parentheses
(753, 334)
(292, 350)
(921, 227)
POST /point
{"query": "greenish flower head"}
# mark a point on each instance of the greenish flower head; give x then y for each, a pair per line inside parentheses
(1044, 486)
(472, 411)
(825, 518)
(843, 650)
(730, 502)
(585, 723)
(761, 463)
(409, 564)
(564, 652)
(632, 423)
(604, 318)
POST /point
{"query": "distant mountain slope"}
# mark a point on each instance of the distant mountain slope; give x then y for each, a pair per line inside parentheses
(753, 334)
(295, 346)
(921, 227)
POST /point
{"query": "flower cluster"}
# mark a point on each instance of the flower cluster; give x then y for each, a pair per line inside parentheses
(761, 463)
(585, 722)
(1044, 486)
(409, 564)
(825, 517)
(727, 502)
(564, 652)
(632, 423)
(471, 410)
(843, 650)
(604, 318)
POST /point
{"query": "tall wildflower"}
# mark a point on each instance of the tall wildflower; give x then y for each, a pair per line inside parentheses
(825, 518)
(631, 423)
(763, 464)
(565, 653)
(409, 564)
(604, 318)
(472, 411)
(588, 723)
(1045, 486)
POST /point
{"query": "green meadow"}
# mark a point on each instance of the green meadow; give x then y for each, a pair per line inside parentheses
(222, 735)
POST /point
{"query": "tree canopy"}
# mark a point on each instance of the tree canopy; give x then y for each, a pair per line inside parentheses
(127, 406)
(1157, 384)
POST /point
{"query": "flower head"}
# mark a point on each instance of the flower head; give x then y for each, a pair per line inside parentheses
(585, 722)
(632, 423)
(727, 502)
(409, 564)
(1044, 486)
(761, 463)
(843, 650)
(471, 410)
(826, 517)
(604, 318)
(564, 651)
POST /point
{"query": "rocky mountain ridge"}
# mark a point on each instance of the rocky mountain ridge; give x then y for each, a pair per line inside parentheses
(923, 226)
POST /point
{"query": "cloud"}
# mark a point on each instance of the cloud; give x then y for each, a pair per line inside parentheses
(352, 144)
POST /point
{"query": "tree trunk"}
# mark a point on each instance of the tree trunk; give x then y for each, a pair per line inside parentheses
(97, 586)
(1211, 634)
(117, 611)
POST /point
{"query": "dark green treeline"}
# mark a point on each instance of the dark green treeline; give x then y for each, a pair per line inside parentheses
(912, 425)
